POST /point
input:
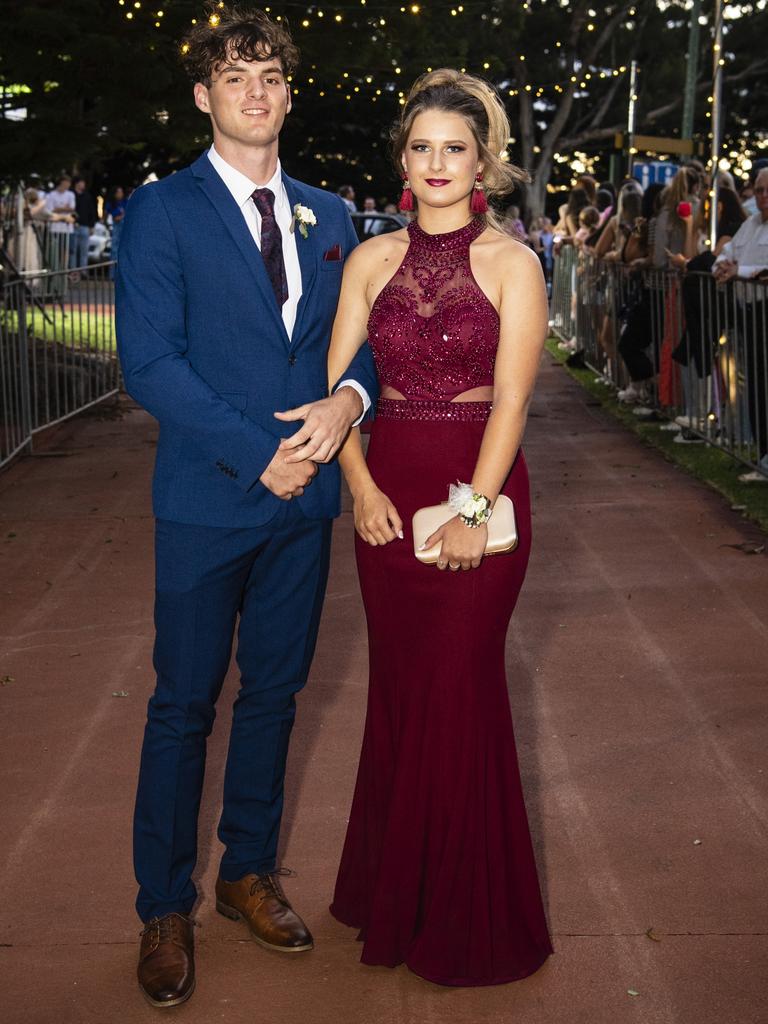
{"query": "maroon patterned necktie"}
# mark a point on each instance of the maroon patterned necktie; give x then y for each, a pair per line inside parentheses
(271, 244)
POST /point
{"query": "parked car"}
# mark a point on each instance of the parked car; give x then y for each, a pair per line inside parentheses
(99, 244)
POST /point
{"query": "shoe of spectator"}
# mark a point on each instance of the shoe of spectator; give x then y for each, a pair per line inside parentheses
(576, 360)
(631, 394)
(687, 437)
(567, 346)
(671, 427)
(753, 477)
(644, 412)
(685, 421)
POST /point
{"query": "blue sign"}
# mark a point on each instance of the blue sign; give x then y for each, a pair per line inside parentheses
(654, 172)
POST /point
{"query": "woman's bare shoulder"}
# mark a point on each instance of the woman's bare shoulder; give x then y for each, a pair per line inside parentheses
(507, 253)
(379, 249)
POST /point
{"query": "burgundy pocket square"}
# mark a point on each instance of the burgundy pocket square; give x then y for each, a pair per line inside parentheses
(334, 253)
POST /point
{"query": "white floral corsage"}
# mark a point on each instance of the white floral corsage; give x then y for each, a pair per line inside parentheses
(472, 508)
(304, 217)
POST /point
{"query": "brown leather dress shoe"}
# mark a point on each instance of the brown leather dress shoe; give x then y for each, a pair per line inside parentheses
(167, 960)
(259, 900)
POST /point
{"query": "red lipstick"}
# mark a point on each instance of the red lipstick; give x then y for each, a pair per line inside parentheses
(437, 182)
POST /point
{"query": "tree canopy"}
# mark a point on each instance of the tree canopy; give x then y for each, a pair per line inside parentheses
(95, 85)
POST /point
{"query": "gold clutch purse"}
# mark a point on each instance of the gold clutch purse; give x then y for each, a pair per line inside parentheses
(502, 528)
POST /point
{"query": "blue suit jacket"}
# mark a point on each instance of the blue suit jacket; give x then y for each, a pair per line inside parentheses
(204, 349)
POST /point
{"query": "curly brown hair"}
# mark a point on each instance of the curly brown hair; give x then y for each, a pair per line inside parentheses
(235, 33)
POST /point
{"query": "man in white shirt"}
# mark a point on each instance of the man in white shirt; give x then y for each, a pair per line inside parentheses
(62, 202)
(746, 257)
(372, 225)
(347, 194)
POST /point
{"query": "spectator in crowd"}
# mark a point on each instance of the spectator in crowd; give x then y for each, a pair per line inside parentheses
(605, 202)
(589, 184)
(611, 246)
(347, 194)
(85, 209)
(60, 201)
(577, 201)
(746, 256)
(610, 188)
(393, 225)
(542, 239)
(589, 218)
(617, 228)
(634, 314)
(114, 212)
(730, 216)
(372, 225)
(513, 225)
(750, 200)
(674, 229)
(30, 248)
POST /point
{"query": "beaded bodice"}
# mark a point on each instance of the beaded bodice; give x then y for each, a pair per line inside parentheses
(432, 330)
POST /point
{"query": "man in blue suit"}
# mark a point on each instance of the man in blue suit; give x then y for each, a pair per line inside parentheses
(228, 281)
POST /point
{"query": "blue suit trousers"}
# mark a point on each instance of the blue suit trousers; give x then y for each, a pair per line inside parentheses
(273, 577)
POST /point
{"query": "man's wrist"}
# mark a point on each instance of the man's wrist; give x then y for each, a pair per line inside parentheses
(353, 399)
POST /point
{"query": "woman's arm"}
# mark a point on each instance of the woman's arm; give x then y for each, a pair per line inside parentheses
(523, 330)
(522, 333)
(606, 240)
(376, 519)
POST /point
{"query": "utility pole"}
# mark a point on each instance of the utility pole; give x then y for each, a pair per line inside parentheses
(691, 73)
(632, 116)
(717, 117)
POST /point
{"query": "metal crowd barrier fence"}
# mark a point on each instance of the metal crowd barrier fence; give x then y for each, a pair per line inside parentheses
(57, 350)
(686, 349)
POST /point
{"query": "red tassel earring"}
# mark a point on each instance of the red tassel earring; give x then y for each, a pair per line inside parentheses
(406, 199)
(478, 204)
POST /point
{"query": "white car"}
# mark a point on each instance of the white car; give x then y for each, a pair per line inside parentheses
(99, 244)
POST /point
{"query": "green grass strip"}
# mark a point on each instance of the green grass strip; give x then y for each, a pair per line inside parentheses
(703, 461)
(75, 328)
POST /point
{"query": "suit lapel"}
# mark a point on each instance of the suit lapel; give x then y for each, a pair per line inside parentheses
(226, 207)
(308, 252)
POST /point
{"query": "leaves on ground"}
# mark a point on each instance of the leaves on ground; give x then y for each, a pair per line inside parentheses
(748, 547)
(5, 680)
(651, 934)
(119, 693)
(632, 992)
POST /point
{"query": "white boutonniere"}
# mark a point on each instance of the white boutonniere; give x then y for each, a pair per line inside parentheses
(304, 217)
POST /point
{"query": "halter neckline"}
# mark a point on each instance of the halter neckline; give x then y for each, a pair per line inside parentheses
(459, 238)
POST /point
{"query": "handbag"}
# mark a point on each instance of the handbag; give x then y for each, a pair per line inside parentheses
(502, 528)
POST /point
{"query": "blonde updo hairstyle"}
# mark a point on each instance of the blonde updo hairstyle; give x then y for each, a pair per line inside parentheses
(479, 104)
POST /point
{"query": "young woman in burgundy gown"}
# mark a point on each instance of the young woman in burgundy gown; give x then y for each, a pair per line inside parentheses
(437, 870)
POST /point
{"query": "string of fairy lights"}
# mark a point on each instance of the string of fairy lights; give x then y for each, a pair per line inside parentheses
(374, 82)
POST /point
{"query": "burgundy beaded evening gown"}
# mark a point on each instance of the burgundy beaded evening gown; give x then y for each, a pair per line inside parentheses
(437, 870)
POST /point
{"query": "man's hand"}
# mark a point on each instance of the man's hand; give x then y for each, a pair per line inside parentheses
(725, 271)
(287, 480)
(326, 425)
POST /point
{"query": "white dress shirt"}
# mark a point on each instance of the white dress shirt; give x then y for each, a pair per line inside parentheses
(748, 247)
(60, 202)
(242, 189)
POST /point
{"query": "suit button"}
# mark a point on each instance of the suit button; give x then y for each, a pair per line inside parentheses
(291, 360)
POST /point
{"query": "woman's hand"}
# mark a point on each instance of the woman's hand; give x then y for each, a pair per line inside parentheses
(376, 518)
(677, 259)
(462, 546)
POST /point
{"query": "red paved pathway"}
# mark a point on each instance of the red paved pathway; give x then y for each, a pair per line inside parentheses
(637, 662)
